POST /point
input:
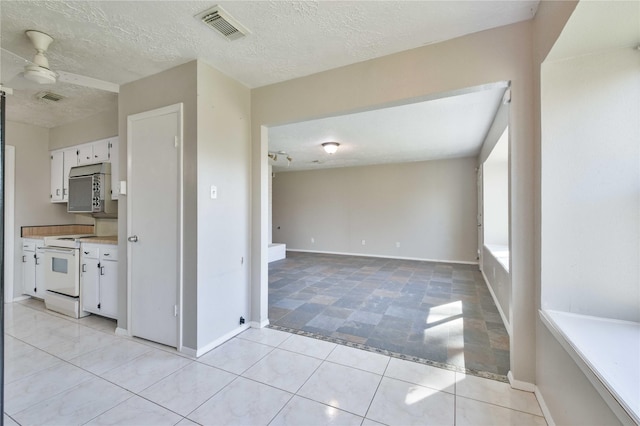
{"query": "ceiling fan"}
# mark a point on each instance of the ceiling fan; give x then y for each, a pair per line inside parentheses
(38, 70)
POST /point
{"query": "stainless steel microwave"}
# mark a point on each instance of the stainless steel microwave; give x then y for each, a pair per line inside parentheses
(90, 190)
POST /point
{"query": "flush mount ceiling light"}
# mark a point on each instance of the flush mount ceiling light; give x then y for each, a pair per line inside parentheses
(330, 147)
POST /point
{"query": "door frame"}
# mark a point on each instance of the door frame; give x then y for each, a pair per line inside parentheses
(175, 108)
(9, 222)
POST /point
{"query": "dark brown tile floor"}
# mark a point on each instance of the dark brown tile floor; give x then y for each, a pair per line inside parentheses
(434, 311)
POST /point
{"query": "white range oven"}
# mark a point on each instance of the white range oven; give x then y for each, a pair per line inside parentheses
(62, 275)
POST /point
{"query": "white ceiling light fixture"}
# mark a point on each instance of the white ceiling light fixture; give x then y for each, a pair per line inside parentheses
(330, 147)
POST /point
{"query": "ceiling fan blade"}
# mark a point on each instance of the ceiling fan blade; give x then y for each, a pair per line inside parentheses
(81, 80)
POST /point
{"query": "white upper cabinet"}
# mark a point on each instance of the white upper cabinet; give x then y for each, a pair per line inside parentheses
(62, 160)
(57, 173)
(94, 152)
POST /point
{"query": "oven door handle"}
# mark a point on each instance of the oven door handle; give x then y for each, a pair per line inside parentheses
(72, 252)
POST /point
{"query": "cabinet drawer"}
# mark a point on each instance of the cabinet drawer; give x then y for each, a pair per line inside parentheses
(28, 245)
(90, 252)
(108, 253)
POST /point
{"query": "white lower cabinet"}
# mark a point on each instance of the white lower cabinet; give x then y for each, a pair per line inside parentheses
(32, 267)
(99, 279)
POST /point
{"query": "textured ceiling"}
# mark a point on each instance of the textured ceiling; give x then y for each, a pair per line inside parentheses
(451, 126)
(122, 41)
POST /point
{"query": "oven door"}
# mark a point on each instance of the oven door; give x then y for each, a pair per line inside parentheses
(61, 274)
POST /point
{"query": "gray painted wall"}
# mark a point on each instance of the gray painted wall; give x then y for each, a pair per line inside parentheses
(98, 126)
(501, 54)
(428, 207)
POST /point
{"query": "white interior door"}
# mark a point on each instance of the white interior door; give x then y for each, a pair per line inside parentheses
(154, 223)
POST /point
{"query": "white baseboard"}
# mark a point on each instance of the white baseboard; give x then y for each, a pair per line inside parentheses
(220, 340)
(520, 385)
(507, 324)
(20, 298)
(461, 262)
(261, 324)
(188, 351)
(122, 332)
(544, 408)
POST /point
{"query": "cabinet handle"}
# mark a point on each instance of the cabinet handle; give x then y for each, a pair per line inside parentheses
(64, 192)
(102, 270)
(24, 259)
(105, 254)
(58, 191)
(35, 289)
(99, 305)
(37, 260)
(84, 267)
(86, 252)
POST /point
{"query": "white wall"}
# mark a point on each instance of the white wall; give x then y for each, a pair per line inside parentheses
(223, 223)
(428, 207)
(591, 184)
(32, 188)
(499, 281)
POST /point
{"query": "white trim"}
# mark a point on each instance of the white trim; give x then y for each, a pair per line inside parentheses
(507, 325)
(21, 298)
(221, 340)
(598, 383)
(520, 385)
(9, 214)
(122, 332)
(188, 351)
(543, 406)
(460, 262)
(175, 108)
(259, 324)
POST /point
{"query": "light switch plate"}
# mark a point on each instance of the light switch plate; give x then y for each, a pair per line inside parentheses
(123, 187)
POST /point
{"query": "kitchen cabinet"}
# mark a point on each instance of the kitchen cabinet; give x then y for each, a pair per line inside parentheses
(57, 175)
(94, 152)
(105, 150)
(32, 267)
(61, 162)
(99, 279)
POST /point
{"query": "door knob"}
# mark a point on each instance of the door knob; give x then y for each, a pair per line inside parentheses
(133, 239)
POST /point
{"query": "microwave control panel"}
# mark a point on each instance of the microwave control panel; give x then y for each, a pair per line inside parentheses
(98, 193)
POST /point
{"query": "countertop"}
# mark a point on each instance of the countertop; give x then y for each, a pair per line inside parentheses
(103, 239)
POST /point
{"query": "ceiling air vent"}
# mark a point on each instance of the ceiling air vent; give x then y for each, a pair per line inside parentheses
(218, 19)
(49, 96)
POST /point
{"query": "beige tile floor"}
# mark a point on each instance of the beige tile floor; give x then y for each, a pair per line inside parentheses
(60, 371)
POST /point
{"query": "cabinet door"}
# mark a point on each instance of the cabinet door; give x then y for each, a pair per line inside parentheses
(70, 160)
(85, 154)
(29, 273)
(115, 169)
(57, 171)
(109, 288)
(89, 282)
(101, 151)
(39, 274)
